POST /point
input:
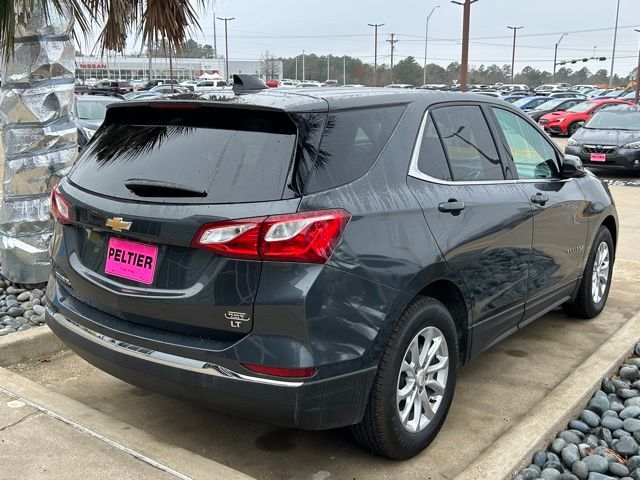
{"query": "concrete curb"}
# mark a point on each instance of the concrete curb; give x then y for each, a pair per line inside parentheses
(153, 451)
(514, 450)
(29, 345)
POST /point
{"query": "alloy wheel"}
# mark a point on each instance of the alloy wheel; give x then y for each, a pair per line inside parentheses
(600, 275)
(422, 379)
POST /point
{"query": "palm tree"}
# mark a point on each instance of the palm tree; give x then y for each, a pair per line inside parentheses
(39, 136)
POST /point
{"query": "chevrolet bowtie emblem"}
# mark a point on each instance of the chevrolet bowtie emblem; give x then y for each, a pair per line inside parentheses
(117, 224)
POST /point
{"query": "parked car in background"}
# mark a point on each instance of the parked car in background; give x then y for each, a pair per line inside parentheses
(189, 84)
(89, 112)
(309, 84)
(529, 103)
(566, 95)
(546, 89)
(569, 121)
(399, 85)
(112, 86)
(142, 94)
(553, 105)
(354, 85)
(90, 82)
(319, 293)
(273, 84)
(520, 87)
(631, 96)
(209, 85)
(81, 89)
(158, 81)
(615, 93)
(610, 139)
(488, 93)
(169, 90)
(433, 86)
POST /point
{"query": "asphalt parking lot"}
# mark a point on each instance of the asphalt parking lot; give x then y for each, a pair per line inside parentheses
(494, 392)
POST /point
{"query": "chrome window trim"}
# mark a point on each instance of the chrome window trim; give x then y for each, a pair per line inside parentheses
(162, 358)
(415, 172)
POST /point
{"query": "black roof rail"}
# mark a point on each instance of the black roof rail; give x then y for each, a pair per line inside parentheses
(243, 83)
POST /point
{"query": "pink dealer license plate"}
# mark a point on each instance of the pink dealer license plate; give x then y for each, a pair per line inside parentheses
(598, 157)
(132, 260)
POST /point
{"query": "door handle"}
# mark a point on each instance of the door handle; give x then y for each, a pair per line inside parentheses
(540, 199)
(453, 206)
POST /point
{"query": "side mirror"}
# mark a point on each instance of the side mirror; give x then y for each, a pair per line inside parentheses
(572, 167)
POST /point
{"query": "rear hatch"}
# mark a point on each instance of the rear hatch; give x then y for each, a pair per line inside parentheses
(153, 175)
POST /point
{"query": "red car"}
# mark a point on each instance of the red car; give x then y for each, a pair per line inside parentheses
(569, 121)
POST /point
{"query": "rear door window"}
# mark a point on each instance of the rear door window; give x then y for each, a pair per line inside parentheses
(205, 155)
(468, 143)
(351, 143)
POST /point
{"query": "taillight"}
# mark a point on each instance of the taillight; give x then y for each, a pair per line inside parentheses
(59, 207)
(298, 237)
(281, 372)
(232, 238)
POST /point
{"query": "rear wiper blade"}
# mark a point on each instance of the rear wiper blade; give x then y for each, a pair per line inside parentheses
(160, 188)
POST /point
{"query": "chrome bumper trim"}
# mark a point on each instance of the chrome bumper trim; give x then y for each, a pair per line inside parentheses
(168, 359)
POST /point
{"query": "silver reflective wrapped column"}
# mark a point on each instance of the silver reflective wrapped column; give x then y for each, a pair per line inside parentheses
(39, 139)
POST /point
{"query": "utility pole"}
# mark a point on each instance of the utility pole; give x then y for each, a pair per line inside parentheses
(426, 45)
(226, 46)
(555, 57)
(595, 47)
(328, 70)
(215, 37)
(638, 74)
(393, 42)
(296, 67)
(375, 52)
(513, 53)
(466, 20)
(344, 70)
(303, 65)
(615, 40)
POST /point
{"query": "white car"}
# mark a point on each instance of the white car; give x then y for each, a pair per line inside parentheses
(208, 85)
(399, 85)
(309, 84)
(354, 85)
(91, 82)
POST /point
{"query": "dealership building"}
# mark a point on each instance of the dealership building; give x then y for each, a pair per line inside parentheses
(143, 68)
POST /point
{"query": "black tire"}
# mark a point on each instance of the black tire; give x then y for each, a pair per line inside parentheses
(573, 128)
(584, 306)
(381, 430)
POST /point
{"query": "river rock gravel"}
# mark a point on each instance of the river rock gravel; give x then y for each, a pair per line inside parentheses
(603, 443)
(21, 308)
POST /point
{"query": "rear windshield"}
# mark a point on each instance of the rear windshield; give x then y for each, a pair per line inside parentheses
(199, 155)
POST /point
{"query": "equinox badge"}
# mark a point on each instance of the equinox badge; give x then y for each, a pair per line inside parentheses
(117, 224)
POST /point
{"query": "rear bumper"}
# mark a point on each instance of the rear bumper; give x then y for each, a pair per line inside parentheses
(312, 405)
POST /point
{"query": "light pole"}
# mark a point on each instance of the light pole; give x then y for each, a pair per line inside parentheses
(344, 70)
(303, 65)
(615, 40)
(393, 42)
(638, 74)
(513, 53)
(555, 57)
(226, 46)
(328, 67)
(375, 51)
(426, 45)
(466, 20)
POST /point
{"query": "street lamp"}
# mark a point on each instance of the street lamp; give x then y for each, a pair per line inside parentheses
(638, 73)
(375, 51)
(615, 40)
(513, 53)
(226, 45)
(555, 56)
(426, 45)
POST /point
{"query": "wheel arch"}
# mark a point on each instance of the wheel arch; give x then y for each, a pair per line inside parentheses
(451, 296)
(612, 226)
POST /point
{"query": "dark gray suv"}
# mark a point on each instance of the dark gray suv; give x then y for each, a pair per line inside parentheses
(323, 258)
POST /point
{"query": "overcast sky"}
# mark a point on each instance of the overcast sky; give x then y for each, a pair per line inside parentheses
(339, 27)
